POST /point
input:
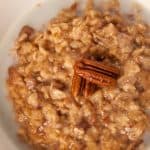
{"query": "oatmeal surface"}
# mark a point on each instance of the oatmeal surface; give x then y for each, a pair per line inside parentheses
(111, 118)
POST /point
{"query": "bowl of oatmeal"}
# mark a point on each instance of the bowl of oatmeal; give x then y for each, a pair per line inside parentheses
(79, 81)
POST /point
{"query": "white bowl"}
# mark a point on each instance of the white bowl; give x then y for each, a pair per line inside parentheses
(14, 14)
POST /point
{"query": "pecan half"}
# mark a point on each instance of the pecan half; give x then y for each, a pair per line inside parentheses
(81, 87)
(26, 33)
(26, 30)
(97, 73)
(89, 73)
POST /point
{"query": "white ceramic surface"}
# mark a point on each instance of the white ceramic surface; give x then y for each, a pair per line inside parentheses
(14, 14)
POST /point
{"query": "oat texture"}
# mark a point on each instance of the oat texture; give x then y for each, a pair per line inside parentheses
(39, 84)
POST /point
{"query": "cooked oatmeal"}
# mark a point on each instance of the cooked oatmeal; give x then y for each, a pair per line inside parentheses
(40, 83)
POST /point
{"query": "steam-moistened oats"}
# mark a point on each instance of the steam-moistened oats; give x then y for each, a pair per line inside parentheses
(112, 118)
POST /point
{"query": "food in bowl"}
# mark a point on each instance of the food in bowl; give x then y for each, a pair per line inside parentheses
(83, 82)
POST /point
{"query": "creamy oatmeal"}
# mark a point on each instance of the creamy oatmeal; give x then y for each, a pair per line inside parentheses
(40, 83)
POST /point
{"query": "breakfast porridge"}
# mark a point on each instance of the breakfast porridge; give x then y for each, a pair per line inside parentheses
(83, 82)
